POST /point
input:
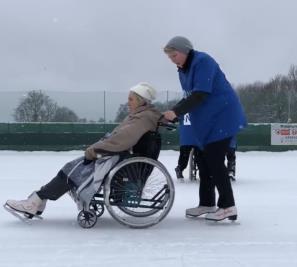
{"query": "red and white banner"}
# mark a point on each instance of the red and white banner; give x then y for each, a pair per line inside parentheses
(284, 134)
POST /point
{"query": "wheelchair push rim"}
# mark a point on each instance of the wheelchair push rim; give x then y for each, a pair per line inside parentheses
(139, 192)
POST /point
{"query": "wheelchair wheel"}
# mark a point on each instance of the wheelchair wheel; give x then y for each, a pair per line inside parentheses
(86, 219)
(139, 192)
(193, 168)
(97, 208)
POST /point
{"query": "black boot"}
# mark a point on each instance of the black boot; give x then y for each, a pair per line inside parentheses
(179, 173)
(231, 170)
(231, 163)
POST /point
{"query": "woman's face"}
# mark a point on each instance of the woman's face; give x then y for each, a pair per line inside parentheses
(132, 102)
(178, 58)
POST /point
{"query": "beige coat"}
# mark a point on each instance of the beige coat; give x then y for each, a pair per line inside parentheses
(127, 134)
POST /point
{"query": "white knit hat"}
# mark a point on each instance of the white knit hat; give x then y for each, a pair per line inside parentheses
(145, 90)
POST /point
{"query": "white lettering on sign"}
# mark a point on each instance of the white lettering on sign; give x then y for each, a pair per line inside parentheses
(284, 134)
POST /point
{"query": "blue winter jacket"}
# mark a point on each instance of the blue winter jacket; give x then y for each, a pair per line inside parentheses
(186, 134)
(220, 115)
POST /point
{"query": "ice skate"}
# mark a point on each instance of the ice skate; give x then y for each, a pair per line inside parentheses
(222, 214)
(179, 173)
(231, 175)
(33, 206)
(41, 207)
(231, 170)
(200, 210)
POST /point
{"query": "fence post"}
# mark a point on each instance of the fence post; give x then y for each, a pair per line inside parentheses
(104, 111)
(167, 99)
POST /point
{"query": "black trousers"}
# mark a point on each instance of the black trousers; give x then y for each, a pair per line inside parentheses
(231, 156)
(56, 188)
(231, 160)
(213, 174)
(184, 154)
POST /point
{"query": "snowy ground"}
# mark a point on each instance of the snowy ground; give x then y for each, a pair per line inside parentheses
(265, 234)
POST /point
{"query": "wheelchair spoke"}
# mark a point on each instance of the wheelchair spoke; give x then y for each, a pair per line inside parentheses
(145, 197)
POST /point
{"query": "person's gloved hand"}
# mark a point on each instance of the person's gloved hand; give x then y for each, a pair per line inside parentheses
(90, 153)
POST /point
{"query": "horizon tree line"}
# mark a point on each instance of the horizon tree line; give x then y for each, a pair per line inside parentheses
(274, 101)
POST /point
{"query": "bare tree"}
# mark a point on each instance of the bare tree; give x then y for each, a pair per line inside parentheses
(38, 107)
(122, 112)
(274, 101)
(293, 73)
(292, 93)
(63, 113)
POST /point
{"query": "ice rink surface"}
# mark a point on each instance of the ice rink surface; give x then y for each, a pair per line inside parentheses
(264, 235)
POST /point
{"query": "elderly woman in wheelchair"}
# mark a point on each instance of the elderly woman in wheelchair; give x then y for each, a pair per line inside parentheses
(119, 172)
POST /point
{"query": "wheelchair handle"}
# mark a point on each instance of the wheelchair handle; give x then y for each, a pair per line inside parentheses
(168, 125)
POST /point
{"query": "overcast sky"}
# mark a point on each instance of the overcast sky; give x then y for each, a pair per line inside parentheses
(88, 45)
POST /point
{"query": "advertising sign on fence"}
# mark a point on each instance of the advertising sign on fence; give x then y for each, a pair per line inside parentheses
(284, 134)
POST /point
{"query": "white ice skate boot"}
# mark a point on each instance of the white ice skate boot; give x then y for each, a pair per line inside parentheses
(42, 206)
(200, 210)
(222, 214)
(32, 206)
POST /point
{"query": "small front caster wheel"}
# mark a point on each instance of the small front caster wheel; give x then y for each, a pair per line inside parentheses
(86, 219)
(97, 208)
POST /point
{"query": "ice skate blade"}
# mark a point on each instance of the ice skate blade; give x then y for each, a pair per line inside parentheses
(222, 223)
(23, 216)
(194, 180)
(201, 215)
(192, 217)
(231, 218)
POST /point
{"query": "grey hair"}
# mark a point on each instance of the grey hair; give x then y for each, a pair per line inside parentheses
(140, 99)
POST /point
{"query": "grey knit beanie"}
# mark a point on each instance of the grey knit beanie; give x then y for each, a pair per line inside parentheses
(180, 44)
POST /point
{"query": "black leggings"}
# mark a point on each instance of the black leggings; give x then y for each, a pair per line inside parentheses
(213, 173)
(184, 155)
(56, 188)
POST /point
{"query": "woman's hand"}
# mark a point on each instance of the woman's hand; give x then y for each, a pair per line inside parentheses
(90, 153)
(169, 115)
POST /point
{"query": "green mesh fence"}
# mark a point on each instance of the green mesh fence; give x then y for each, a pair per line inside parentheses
(69, 136)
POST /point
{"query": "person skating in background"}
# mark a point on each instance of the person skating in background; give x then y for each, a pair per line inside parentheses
(187, 143)
(216, 116)
(184, 160)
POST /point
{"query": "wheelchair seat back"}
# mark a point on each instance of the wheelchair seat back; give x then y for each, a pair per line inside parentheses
(149, 145)
(129, 182)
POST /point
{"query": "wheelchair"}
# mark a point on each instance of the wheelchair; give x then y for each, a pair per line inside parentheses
(138, 191)
(193, 165)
